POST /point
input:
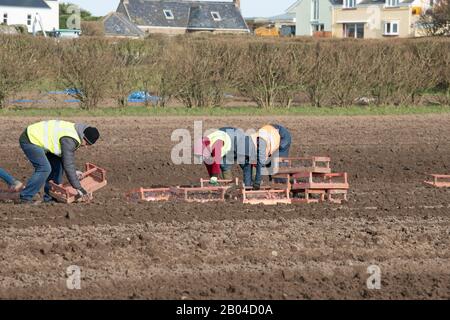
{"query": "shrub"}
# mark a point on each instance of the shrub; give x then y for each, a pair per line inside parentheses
(199, 73)
(92, 29)
(436, 20)
(20, 65)
(264, 74)
(154, 76)
(86, 66)
(128, 57)
(199, 70)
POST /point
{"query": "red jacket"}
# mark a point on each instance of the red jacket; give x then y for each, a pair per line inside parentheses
(216, 152)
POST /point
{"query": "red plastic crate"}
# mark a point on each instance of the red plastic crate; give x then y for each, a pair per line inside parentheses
(94, 178)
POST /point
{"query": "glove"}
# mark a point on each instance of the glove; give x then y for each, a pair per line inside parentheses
(79, 175)
(83, 195)
(256, 186)
(213, 181)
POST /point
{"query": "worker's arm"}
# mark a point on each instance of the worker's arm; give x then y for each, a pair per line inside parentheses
(261, 162)
(68, 147)
(213, 165)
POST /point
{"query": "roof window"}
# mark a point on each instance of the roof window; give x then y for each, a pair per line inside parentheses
(169, 14)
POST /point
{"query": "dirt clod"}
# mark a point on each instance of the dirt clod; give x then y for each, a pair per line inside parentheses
(71, 215)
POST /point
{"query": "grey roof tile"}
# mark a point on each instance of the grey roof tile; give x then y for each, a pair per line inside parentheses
(116, 24)
(201, 17)
(186, 14)
(25, 3)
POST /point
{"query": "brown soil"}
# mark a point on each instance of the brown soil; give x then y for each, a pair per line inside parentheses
(215, 251)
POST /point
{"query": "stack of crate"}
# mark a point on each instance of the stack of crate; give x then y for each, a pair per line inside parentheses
(310, 180)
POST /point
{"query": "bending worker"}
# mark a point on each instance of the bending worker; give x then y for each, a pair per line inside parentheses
(13, 184)
(268, 144)
(50, 147)
(220, 150)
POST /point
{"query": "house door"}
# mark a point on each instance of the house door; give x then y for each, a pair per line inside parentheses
(353, 30)
(318, 27)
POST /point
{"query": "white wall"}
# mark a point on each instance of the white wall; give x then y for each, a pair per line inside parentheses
(52, 19)
(18, 15)
(305, 17)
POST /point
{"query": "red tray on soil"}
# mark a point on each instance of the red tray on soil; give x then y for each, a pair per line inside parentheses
(303, 164)
(6, 195)
(309, 180)
(316, 195)
(439, 181)
(205, 182)
(94, 178)
(202, 195)
(150, 195)
(266, 196)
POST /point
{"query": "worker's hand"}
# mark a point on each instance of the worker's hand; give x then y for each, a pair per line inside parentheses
(213, 181)
(83, 195)
(256, 186)
(16, 187)
(79, 175)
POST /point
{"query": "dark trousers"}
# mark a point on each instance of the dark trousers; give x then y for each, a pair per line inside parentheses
(247, 170)
(285, 140)
(47, 167)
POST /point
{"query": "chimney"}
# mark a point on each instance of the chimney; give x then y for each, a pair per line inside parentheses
(237, 3)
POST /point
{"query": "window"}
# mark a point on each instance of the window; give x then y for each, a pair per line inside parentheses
(391, 28)
(216, 16)
(351, 3)
(168, 14)
(318, 27)
(29, 20)
(315, 9)
(354, 30)
(5, 18)
(392, 3)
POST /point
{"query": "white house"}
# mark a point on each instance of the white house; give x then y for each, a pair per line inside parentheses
(29, 13)
(313, 17)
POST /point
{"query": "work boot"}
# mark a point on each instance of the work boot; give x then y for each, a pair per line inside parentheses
(28, 202)
(17, 200)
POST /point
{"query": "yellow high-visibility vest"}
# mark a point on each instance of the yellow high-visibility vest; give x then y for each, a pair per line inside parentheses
(271, 136)
(47, 134)
(223, 136)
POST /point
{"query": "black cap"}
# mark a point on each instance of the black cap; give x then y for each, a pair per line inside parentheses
(91, 135)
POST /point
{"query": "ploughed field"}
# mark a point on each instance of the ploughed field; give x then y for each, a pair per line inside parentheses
(231, 250)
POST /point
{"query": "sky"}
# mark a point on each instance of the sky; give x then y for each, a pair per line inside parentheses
(250, 8)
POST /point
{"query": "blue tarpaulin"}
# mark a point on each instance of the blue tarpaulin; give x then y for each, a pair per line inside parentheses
(71, 91)
(28, 101)
(142, 96)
